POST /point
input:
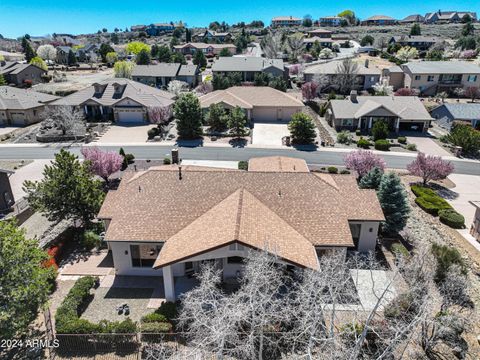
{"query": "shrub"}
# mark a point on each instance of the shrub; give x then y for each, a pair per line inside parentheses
(419, 190)
(156, 327)
(380, 130)
(344, 137)
(382, 145)
(432, 204)
(168, 309)
(452, 218)
(167, 161)
(332, 170)
(243, 165)
(91, 240)
(400, 307)
(447, 256)
(344, 172)
(402, 139)
(398, 249)
(153, 132)
(154, 317)
(363, 143)
(412, 147)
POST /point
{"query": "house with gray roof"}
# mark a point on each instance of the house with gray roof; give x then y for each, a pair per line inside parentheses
(412, 19)
(62, 54)
(419, 42)
(159, 75)
(214, 36)
(402, 113)
(7, 199)
(20, 107)
(18, 74)
(209, 50)
(249, 66)
(447, 114)
(448, 16)
(119, 100)
(379, 20)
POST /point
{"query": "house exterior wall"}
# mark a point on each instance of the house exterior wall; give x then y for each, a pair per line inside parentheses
(29, 116)
(31, 73)
(271, 114)
(6, 195)
(475, 227)
(430, 84)
(395, 79)
(368, 235)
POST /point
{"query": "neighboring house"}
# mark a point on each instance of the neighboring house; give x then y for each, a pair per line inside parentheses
(168, 220)
(6, 195)
(419, 42)
(319, 33)
(394, 76)
(330, 21)
(248, 66)
(379, 20)
(432, 77)
(323, 42)
(211, 36)
(86, 53)
(412, 19)
(12, 56)
(448, 16)
(361, 112)
(284, 21)
(138, 28)
(447, 114)
(160, 28)
(366, 76)
(475, 227)
(22, 106)
(119, 100)
(207, 49)
(19, 74)
(261, 103)
(159, 75)
(62, 54)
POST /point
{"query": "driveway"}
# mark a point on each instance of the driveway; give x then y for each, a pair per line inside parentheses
(265, 134)
(125, 134)
(428, 146)
(32, 171)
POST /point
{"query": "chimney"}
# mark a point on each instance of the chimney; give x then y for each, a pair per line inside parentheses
(353, 96)
(367, 63)
(174, 156)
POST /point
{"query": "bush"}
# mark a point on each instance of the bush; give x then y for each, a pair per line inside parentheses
(382, 145)
(167, 161)
(332, 170)
(400, 307)
(91, 240)
(432, 204)
(344, 172)
(154, 317)
(344, 137)
(127, 158)
(380, 130)
(153, 132)
(412, 147)
(156, 327)
(419, 190)
(126, 326)
(243, 165)
(363, 143)
(168, 309)
(452, 218)
(402, 139)
(447, 256)
(398, 249)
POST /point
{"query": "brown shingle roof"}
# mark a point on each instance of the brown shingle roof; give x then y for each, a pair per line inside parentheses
(277, 164)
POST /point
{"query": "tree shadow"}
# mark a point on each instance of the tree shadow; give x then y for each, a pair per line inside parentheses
(444, 192)
(189, 143)
(307, 147)
(238, 142)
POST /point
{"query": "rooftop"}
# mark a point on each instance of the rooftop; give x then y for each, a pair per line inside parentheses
(333, 67)
(442, 67)
(461, 111)
(12, 98)
(246, 63)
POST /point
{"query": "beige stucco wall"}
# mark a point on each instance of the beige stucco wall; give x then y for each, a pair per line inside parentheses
(30, 116)
(270, 113)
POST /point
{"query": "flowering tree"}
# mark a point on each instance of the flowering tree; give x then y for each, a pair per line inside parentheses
(295, 69)
(472, 92)
(102, 163)
(468, 54)
(47, 52)
(159, 114)
(406, 53)
(406, 92)
(309, 90)
(362, 161)
(325, 54)
(430, 167)
(383, 89)
(176, 87)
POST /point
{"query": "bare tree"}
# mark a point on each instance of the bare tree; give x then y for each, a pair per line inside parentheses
(68, 119)
(295, 45)
(346, 74)
(271, 45)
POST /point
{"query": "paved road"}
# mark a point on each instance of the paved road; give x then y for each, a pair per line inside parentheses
(227, 154)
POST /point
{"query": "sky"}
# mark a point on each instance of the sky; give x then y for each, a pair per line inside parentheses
(34, 17)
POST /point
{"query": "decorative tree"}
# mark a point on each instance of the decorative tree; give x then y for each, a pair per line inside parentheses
(302, 129)
(47, 52)
(406, 53)
(67, 191)
(177, 87)
(25, 282)
(70, 120)
(159, 115)
(27, 49)
(237, 120)
(382, 88)
(430, 167)
(309, 91)
(123, 69)
(199, 59)
(216, 117)
(372, 179)
(38, 62)
(102, 163)
(415, 30)
(163, 54)
(363, 161)
(367, 40)
(466, 137)
(394, 202)
(143, 57)
(345, 75)
(278, 83)
(111, 57)
(380, 130)
(188, 113)
(472, 92)
(72, 59)
(135, 47)
(104, 50)
(406, 92)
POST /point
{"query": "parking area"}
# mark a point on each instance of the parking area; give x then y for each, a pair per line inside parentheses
(268, 134)
(427, 145)
(125, 134)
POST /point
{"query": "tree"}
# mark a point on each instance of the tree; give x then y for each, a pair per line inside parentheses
(72, 59)
(325, 54)
(372, 179)
(295, 44)
(345, 75)
(177, 57)
(237, 120)
(199, 59)
(27, 49)
(278, 83)
(271, 45)
(415, 30)
(309, 91)
(394, 202)
(2, 80)
(367, 40)
(382, 88)
(163, 54)
(104, 50)
(363, 161)
(406, 92)
(177, 87)
(468, 29)
(47, 52)
(349, 15)
(143, 57)
(302, 129)
(38, 62)
(68, 190)
(216, 118)
(434, 55)
(102, 163)
(307, 21)
(111, 57)
(188, 35)
(25, 282)
(380, 130)
(225, 53)
(135, 47)
(123, 69)
(241, 42)
(472, 92)
(466, 43)
(430, 167)
(466, 137)
(159, 114)
(406, 53)
(70, 120)
(188, 113)
(114, 38)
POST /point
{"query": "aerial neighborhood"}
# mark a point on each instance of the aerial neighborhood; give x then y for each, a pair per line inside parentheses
(302, 188)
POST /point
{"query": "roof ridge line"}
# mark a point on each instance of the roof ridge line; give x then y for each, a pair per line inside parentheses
(239, 215)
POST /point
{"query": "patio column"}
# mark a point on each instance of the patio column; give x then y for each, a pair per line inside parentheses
(370, 123)
(359, 124)
(397, 125)
(168, 283)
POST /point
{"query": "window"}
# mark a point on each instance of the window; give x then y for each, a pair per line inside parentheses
(417, 77)
(235, 260)
(347, 122)
(355, 229)
(472, 78)
(144, 255)
(430, 78)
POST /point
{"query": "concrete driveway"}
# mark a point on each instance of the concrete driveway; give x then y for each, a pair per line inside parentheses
(125, 134)
(428, 146)
(32, 171)
(466, 190)
(268, 134)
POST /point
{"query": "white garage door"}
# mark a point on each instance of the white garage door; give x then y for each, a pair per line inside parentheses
(17, 119)
(264, 114)
(130, 117)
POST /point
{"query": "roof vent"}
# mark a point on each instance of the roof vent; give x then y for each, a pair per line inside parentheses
(353, 96)
(179, 173)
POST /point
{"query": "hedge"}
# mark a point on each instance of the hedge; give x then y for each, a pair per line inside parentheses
(452, 218)
(156, 327)
(363, 143)
(168, 309)
(382, 145)
(419, 190)
(154, 317)
(432, 204)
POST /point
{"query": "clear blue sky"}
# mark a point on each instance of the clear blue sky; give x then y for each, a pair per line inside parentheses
(35, 17)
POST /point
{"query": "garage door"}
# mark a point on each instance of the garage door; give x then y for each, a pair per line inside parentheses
(411, 126)
(130, 117)
(17, 119)
(264, 114)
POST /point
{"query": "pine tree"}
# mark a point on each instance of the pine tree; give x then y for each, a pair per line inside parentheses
(28, 50)
(394, 203)
(72, 60)
(2, 80)
(237, 121)
(372, 179)
(189, 116)
(143, 57)
(199, 59)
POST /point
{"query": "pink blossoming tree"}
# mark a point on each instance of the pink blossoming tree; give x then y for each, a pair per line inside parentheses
(472, 92)
(362, 161)
(159, 114)
(309, 90)
(103, 163)
(430, 167)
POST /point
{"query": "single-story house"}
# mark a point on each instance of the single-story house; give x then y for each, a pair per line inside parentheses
(261, 103)
(402, 113)
(379, 20)
(248, 66)
(119, 100)
(62, 54)
(367, 75)
(321, 33)
(6, 195)
(446, 114)
(22, 106)
(412, 19)
(138, 28)
(168, 220)
(282, 21)
(323, 42)
(19, 74)
(161, 74)
(420, 42)
(207, 49)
